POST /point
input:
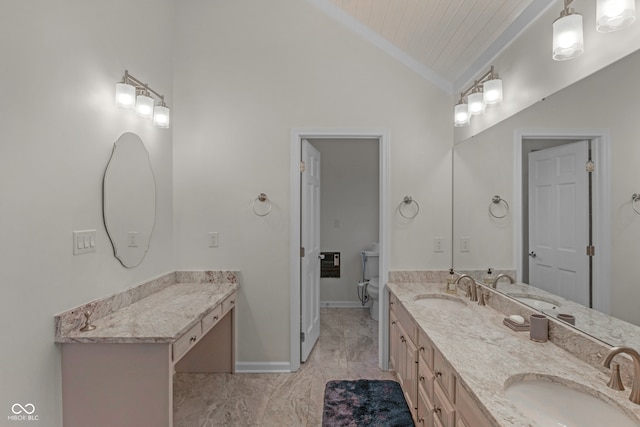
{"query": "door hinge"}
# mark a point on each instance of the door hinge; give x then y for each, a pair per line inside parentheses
(591, 250)
(590, 166)
(301, 252)
(301, 336)
(302, 166)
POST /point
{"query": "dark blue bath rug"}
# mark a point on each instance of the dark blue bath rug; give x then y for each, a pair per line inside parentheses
(365, 403)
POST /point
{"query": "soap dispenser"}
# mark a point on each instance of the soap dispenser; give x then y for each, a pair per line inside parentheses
(489, 278)
(452, 287)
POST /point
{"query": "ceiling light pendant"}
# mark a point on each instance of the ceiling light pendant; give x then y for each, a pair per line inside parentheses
(476, 101)
(492, 90)
(461, 114)
(613, 15)
(567, 34)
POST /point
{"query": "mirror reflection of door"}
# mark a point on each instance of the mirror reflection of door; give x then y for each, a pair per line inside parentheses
(559, 221)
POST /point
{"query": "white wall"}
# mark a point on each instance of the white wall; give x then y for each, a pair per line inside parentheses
(484, 164)
(349, 194)
(248, 72)
(530, 74)
(60, 61)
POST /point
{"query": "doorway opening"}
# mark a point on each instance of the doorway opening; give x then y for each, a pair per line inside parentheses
(300, 309)
(595, 202)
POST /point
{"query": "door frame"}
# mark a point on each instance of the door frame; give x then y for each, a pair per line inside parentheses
(601, 204)
(297, 135)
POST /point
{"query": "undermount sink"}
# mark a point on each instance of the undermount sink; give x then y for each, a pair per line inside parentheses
(538, 302)
(553, 401)
(440, 302)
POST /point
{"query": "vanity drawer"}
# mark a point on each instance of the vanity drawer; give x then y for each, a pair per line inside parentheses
(444, 376)
(212, 318)
(425, 410)
(185, 342)
(443, 410)
(407, 323)
(425, 380)
(425, 348)
(228, 303)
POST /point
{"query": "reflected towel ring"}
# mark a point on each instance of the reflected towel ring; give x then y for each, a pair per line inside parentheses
(496, 200)
(407, 201)
(634, 198)
(263, 199)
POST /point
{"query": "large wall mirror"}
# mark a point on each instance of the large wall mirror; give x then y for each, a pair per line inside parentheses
(536, 162)
(129, 200)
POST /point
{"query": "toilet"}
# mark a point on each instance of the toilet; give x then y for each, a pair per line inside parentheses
(370, 269)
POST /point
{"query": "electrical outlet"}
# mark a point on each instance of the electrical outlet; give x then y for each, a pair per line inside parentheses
(465, 244)
(213, 239)
(438, 244)
(132, 239)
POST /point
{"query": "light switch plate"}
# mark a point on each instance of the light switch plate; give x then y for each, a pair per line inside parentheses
(465, 244)
(84, 241)
(438, 244)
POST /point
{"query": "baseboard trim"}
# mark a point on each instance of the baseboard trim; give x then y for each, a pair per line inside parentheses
(344, 304)
(262, 367)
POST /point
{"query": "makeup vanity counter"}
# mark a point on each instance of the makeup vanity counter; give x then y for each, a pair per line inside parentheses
(480, 356)
(121, 372)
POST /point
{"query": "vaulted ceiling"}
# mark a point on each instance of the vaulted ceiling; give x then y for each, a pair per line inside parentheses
(447, 41)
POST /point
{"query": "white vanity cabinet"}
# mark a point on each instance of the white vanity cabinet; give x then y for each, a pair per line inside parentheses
(430, 385)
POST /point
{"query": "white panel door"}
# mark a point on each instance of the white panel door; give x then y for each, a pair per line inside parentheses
(310, 262)
(559, 221)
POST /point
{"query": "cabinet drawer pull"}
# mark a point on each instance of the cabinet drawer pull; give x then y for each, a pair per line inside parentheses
(393, 323)
(215, 317)
(421, 378)
(391, 303)
(421, 420)
(421, 348)
(232, 302)
(438, 374)
(437, 410)
(403, 339)
(193, 338)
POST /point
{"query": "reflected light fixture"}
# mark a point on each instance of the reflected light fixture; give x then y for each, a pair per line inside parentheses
(132, 94)
(568, 41)
(613, 15)
(485, 91)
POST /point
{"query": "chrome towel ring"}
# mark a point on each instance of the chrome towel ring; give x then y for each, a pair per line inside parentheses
(263, 199)
(497, 200)
(408, 200)
(634, 199)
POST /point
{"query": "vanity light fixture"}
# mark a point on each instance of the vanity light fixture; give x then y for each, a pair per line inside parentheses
(485, 91)
(613, 15)
(132, 94)
(568, 41)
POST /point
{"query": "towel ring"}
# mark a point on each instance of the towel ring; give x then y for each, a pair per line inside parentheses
(635, 198)
(262, 198)
(496, 200)
(407, 201)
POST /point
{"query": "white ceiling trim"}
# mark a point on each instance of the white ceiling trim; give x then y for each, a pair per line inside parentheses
(521, 23)
(377, 40)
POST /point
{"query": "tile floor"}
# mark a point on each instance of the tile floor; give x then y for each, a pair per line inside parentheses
(347, 349)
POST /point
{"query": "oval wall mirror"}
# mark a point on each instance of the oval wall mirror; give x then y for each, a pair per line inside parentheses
(129, 200)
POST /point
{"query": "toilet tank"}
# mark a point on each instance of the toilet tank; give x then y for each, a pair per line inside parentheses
(371, 264)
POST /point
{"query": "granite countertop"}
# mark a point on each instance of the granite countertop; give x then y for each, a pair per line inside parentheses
(486, 354)
(161, 317)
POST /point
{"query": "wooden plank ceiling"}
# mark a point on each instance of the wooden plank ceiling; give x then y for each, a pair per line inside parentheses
(447, 36)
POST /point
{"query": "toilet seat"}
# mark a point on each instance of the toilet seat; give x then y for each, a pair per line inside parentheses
(373, 290)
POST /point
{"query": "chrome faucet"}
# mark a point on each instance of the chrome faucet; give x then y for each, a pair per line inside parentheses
(471, 290)
(500, 276)
(635, 387)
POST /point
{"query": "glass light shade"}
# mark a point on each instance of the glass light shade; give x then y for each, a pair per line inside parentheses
(492, 90)
(461, 115)
(161, 116)
(612, 15)
(476, 103)
(567, 37)
(125, 96)
(144, 106)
